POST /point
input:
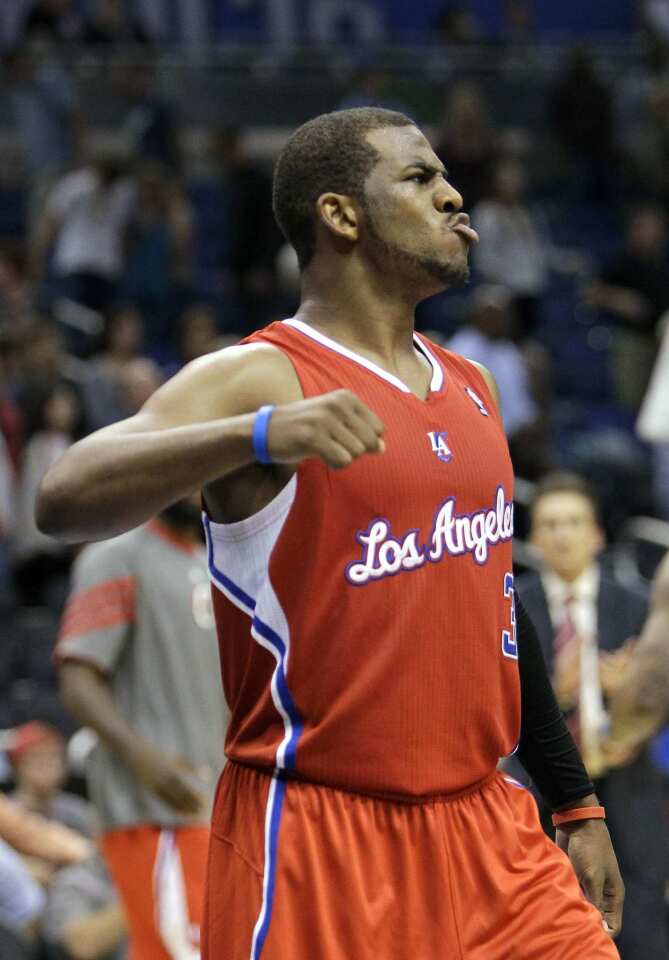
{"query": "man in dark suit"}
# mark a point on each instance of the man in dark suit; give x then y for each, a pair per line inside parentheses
(586, 622)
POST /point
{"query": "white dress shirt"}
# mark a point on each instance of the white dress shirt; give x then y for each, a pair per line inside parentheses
(593, 719)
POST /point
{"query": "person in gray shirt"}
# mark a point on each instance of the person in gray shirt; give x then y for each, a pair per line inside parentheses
(139, 665)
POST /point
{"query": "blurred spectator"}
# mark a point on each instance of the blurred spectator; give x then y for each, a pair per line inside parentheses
(586, 621)
(150, 128)
(49, 122)
(582, 110)
(456, 24)
(7, 511)
(288, 281)
(646, 141)
(140, 378)
(16, 293)
(254, 237)
(198, 332)
(103, 388)
(37, 754)
(370, 88)
(42, 563)
(466, 142)
(519, 26)
(39, 840)
(51, 21)
(42, 364)
(124, 339)
(11, 418)
(516, 249)
(160, 249)
(87, 219)
(653, 424)
(488, 338)
(84, 917)
(634, 289)
(110, 24)
(656, 18)
(22, 901)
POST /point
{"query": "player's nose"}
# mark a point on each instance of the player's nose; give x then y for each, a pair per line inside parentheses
(447, 199)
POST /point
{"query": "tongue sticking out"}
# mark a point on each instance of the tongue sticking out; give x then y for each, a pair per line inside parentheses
(467, 232)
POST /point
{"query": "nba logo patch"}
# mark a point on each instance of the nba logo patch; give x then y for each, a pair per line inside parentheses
(477, 400)
(439, 446)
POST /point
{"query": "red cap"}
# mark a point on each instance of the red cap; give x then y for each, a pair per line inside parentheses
(29, 735)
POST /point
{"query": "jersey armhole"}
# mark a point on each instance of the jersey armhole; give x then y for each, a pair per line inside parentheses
(490, 398)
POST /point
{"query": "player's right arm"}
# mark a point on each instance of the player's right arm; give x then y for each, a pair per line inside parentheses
(194, 430)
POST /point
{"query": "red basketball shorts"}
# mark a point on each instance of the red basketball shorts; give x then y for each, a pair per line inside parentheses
(160, 876)
(303, 872)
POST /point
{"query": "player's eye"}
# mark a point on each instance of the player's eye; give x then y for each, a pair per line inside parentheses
(423, 177)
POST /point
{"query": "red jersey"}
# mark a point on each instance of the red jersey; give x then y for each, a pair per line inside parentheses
(365, 616)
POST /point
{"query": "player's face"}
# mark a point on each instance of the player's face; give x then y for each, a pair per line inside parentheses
(566, 534)
(415, 227)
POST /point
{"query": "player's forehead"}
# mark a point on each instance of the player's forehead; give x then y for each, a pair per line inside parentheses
(400, 147)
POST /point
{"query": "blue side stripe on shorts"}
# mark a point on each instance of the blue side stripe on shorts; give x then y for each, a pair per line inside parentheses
(262, 927)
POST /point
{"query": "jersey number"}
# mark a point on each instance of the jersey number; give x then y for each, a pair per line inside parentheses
(509, 642)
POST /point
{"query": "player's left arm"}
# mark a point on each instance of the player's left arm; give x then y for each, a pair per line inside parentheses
(550, 756)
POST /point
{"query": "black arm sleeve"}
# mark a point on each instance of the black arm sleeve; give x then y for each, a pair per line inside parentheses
(546, 748)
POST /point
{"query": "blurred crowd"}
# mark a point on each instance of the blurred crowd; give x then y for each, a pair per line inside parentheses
(130, 258)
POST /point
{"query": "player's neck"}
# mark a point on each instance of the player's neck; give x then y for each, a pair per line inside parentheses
(359, 314)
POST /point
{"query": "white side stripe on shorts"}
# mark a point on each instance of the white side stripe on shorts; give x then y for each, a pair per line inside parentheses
(173, 924)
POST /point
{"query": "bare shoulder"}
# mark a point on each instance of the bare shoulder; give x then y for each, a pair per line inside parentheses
(226, 383)
(490, 381)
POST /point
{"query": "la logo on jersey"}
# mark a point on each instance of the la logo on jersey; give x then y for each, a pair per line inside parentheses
(477, 400)
(439, 446)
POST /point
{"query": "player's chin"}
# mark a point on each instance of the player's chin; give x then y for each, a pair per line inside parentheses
(451, 272)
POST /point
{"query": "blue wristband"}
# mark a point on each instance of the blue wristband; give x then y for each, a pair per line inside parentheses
(259, 436)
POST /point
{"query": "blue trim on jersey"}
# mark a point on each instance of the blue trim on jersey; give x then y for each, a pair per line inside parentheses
(219, 576)
(283, 691)
(274, 818)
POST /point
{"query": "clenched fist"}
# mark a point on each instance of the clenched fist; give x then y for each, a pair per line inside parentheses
(337, 427)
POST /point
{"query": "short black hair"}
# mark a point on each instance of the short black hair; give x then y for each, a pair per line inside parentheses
(328, 153)
(564, 481)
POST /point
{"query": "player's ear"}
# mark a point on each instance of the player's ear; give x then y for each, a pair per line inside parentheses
(337, 212)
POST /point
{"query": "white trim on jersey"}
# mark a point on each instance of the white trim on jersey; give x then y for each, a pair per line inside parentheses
(437, 381)
(238, 553)
(325, 341)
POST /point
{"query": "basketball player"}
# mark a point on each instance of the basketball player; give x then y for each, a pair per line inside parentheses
(138, 664)
(358, 497)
